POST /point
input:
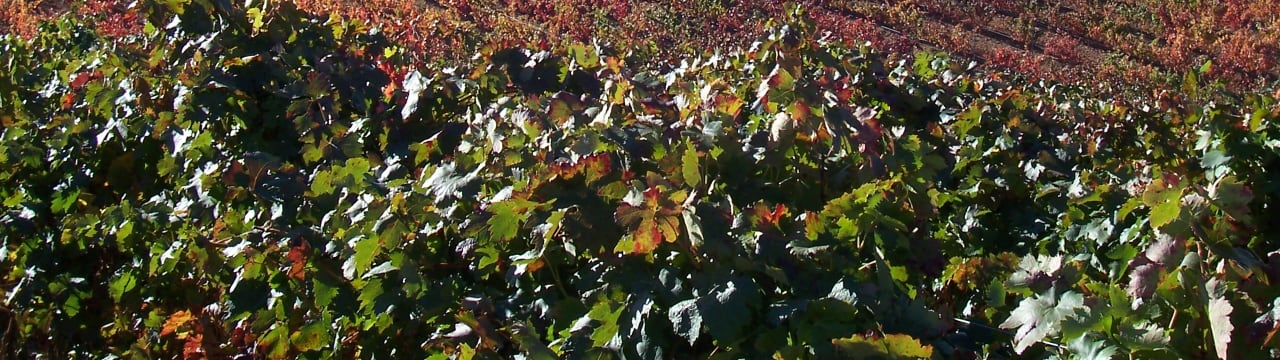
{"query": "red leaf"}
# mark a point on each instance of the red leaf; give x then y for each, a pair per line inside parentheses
(193, 349)
(766, 217)
(298, 258)
(79, 80)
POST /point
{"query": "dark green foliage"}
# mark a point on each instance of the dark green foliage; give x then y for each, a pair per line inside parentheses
(246, 180)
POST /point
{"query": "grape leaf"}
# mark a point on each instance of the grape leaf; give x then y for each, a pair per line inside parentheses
(1040, 316)
(1219, 311)
(311, 337)
(1144, 278)
(654, 221)
(686, 319)
(891, 346)
(176, 324)
(607, 315)
(725, 310)
(1142, 335)
(446, 182)
(1232, 197)
(1086, 347)
(416, 85)
(1166, 249)
(689, 167)
(1164, 201)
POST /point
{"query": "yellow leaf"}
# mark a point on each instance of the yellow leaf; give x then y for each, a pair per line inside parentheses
(176, 324)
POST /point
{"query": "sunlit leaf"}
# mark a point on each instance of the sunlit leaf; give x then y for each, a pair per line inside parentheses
(1039, 316)
(1219, 313)
(891, 346)
(1164, 201)
(687, 321)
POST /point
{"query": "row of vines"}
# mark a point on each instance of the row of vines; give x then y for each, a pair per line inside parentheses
(246, 181)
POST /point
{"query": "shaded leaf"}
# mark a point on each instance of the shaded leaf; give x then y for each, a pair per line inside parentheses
(1232, 196)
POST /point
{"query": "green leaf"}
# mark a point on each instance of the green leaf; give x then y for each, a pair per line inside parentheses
(311, 337)
(1233, 197)
(1085, 347)
(417, 86)
(891, 346)
(447, 182)
(122, 284)
(725, 310)
(126, 229)
(693, 226)
(1142, 336)
(322, 183)
(366, 248)
(689, 167)
(1164, 201)
(508, 216)
(324, 291)
(278, 341)
(607, 315)
(686, 319)
(1040, 316)
(530, 343)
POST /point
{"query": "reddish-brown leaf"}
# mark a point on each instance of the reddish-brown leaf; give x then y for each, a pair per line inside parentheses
(298, 258)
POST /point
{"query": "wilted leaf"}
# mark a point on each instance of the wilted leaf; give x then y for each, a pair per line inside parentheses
(297, 262)
(766, 217)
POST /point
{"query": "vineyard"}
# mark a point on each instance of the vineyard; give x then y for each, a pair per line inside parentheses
(1130, 47)
(248, 179)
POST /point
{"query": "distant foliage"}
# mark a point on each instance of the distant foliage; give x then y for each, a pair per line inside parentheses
(243, 180)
